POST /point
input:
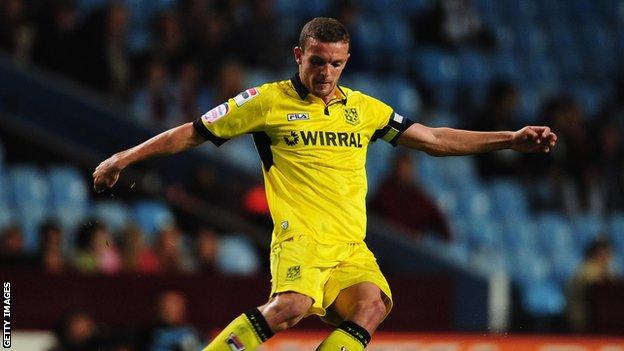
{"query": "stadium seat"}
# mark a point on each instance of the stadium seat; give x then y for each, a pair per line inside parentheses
(6, 216)
(555, 233)
(378, 164)
(586, 228)
(401, 96)
(509, 199)
(4, 190)
(436, 67)
(237, 255)
(68, 188)
(241, 152)
(460, 172)
(590, 98)
(447, 201)
(28, 185)
(474, 203)
(520, 233)
(474, 69)
(490, 261)
(30, 220)
(308, 9)
(616, 230)
(398, 39)
(543, 298)
(506, 66)
(491, 11)
(564, 265)
(529, 266)
(458, 251)
(366, 83)
(114, 213)
(2, 157)
(152, 216)
(70, 216)
(485, 235)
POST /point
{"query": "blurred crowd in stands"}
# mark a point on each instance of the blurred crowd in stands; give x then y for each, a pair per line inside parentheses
(99, 251)
(176, 59)
(78, 330)
(483, 65)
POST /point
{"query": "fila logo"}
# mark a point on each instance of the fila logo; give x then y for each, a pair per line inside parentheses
(234, 343)
(297, 116)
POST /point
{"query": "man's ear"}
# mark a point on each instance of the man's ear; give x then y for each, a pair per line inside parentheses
(298, 53)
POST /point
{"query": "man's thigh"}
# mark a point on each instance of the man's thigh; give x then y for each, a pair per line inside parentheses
(358, 278)
(295, 267)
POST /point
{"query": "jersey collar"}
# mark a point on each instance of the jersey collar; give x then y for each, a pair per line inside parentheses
(303, 92)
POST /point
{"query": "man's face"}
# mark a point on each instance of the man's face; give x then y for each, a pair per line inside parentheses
(320, 66)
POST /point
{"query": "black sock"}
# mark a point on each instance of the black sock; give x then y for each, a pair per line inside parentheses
(356, 331)
(260, 325)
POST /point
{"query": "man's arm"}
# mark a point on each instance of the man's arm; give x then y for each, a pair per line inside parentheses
(171, 141)
(450, 142)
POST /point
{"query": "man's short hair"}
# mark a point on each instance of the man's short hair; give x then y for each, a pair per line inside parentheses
(324, 29)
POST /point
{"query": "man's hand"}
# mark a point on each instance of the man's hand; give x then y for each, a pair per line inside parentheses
(534, 139)
(106, 174)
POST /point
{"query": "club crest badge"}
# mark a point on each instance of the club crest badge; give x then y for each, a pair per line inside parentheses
(351, 116)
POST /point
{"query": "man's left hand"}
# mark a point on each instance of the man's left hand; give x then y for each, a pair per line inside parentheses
(534, 139)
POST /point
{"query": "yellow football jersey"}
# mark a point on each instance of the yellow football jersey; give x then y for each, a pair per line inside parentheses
(313, 153)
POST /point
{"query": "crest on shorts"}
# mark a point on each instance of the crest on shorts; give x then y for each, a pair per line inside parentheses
(351, 116)
(234, 343)
(294, 273)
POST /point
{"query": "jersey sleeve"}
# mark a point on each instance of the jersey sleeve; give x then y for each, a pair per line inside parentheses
(242, 114)
(392, 124)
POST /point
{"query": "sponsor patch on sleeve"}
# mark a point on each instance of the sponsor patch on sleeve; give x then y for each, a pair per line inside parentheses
(246, 96)
(216, 113)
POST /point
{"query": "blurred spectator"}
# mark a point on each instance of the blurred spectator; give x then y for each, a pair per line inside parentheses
(401, 200)
(171, 42)
(108, 67)
(205, 184)
(58, 44)
(610, 148)
(172, 331)
(453, 24)
(611, 165)
(348, 13)
(16, 29)
(594, 269)
(190, 96)
(260, 28)
(212, 42)
(12, 253)
(153, 104)
(50, 252)
(571, 168)
(230, 81)
(97, 252)
(137, 256)
(207, 246)
(77, 332)
(171, 252)
(256, 207)
(499, 113)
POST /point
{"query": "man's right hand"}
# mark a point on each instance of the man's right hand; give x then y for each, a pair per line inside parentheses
(106, 174)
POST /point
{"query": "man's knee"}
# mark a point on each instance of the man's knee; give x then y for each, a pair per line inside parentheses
(285, 310)
(372, 310)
